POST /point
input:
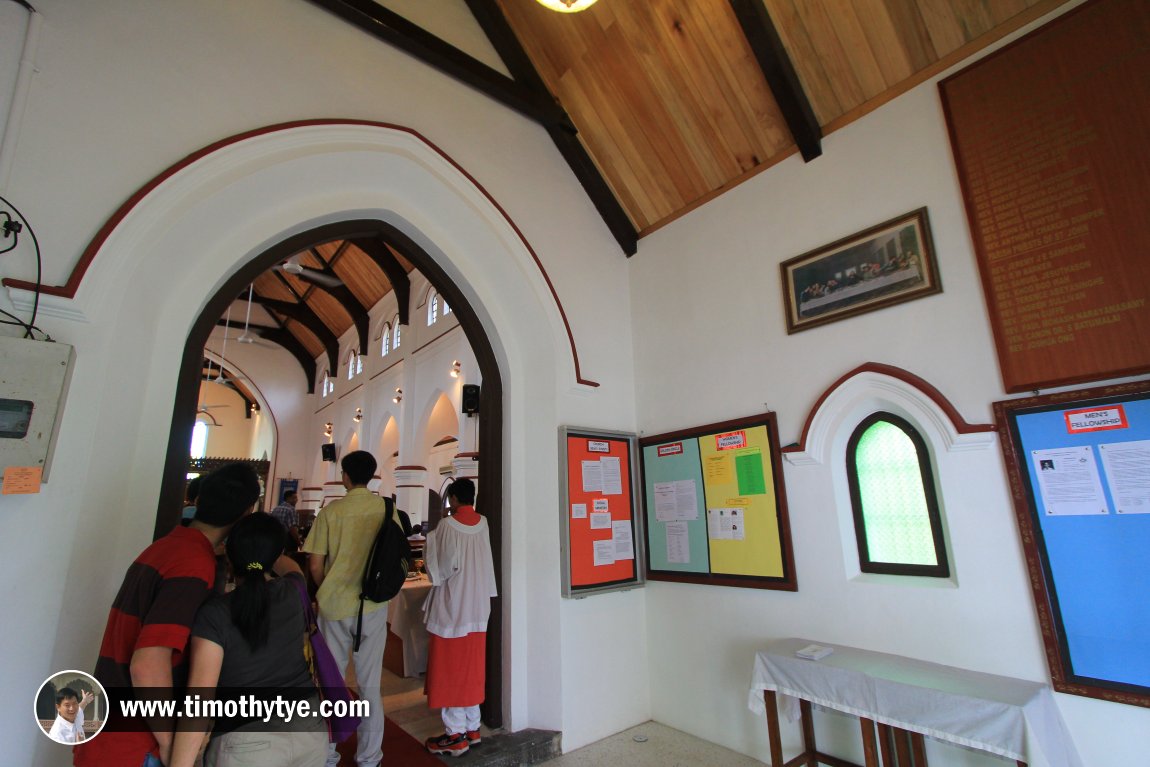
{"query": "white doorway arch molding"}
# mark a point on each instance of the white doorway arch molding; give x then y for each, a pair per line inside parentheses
(180, 239)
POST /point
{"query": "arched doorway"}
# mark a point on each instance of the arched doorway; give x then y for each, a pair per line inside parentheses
(491, 436)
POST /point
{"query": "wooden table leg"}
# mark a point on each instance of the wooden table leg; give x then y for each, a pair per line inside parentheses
(771, 701)
(916, 742)
(885, 746)
(808, 733)
(870, 747)
(902, 747)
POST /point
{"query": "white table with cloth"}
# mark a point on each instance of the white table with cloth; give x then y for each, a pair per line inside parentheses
(1012, 718)
(405, 616)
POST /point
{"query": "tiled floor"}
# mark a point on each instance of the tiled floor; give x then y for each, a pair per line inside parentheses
(648, 745)
(654, 745)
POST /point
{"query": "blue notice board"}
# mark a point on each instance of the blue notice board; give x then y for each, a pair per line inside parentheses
(1081, 470)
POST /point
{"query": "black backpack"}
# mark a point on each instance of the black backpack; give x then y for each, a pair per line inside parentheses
(387, 566)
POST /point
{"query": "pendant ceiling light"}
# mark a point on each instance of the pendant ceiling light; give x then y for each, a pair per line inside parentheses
(567, 6)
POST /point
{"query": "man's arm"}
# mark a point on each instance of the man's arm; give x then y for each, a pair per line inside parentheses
(152, 667)
(207, 660)
(315, 565)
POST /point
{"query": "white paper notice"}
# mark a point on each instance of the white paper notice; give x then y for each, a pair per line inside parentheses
(726, 524)
(1068, 481)
(621, 535)
(612, 475)
(604, 552)
(592, 477)
(578, 511)
(600, 520)
(678, 543)
(1127, 467)
(686, 500)
(600, 504)
(666, 507)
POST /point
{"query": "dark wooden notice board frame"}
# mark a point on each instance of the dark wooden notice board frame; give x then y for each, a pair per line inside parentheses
(1069, 555)
(677, 445)
(1049, 140)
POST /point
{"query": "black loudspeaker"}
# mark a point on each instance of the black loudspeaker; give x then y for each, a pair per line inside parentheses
(328, 451)
(469, 401)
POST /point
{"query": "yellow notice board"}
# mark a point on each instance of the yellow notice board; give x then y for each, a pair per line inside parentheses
(715, 507)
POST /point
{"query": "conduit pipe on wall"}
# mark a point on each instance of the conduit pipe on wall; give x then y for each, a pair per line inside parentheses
(11, 136)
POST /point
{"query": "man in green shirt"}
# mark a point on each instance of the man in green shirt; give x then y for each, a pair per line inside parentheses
(338, 546)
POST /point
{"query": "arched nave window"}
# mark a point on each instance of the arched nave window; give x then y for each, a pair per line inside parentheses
(199, 446)
(354, 365)
(432, 308)
(395, 333)
(898, 526)
(326, 385)
(386, 345)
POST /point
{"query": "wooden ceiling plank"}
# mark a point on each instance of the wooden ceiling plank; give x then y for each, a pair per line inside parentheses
(853, 39)
(377, 249)
(644, 105)
(721, 130)
(885, 41)
(808, 65)
(397, 31)
(780, 74)
(973, 17)
(362, 277)
(745, 87)
(499, 32)
(907, 18)
(942, 24)
(343, 295)
(299, 331)
(1004, 10)
(829, 50)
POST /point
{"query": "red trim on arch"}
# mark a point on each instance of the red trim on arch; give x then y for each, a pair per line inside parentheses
(960, 424)
(68, 289)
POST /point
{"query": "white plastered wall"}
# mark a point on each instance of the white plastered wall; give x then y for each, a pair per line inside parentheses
(710, 287)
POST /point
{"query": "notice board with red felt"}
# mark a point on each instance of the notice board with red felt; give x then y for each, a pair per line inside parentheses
(601, 529)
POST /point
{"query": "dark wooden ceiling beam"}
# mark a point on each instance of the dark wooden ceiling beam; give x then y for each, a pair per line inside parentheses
(356, 310)
(377, 249)
(283, 337)
(779, 71)
(228, 380)
(303, 314)
(390, 27)
(519, 64)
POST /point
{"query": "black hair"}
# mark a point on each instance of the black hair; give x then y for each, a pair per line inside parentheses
(65, 693)
(463, 490)
(254, 544)
(226, 494)
(193, 489)
(290, 494)
(359, 466)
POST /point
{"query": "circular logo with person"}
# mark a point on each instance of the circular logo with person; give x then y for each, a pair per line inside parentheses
(71, 707)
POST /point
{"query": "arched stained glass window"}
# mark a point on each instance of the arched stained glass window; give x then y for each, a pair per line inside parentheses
(898, 526)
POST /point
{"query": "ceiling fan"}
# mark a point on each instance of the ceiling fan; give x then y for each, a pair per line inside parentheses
(248, 336)
(316, 276)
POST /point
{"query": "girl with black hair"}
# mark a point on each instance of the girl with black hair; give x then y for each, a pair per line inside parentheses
(250, 641)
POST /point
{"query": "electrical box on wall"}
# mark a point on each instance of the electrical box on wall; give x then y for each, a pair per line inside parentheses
(34, 379)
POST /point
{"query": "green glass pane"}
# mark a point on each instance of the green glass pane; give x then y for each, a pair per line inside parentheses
(893, 500)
